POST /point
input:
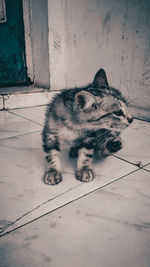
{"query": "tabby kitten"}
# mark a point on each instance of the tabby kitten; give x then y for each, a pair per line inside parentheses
(92, 118)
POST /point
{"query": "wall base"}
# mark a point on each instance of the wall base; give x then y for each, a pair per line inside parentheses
(24, 97)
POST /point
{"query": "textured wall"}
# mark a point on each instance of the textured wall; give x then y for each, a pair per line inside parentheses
(40, 56)
(111, 34)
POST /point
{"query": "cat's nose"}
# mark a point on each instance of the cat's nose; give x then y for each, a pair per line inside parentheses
(130, 119)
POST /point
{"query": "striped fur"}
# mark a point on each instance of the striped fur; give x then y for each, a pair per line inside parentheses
(91, 118)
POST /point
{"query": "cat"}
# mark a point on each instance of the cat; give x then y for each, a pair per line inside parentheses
(92, 118)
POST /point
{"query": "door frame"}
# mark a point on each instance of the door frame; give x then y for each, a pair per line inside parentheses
(28, 39)
(37, 51)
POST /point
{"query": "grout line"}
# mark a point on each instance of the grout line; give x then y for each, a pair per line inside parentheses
(140, 119)
(37, 207)
(24, 118)
(138, 164)
(1, 139)
(135, 164)
(35, 106)
(145, 170)
(146, 165)
(68, 203)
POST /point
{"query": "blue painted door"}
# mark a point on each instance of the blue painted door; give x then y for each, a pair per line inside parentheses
(12, 46)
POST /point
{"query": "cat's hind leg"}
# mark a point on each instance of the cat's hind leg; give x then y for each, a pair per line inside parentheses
(84, 171)
(51, 147)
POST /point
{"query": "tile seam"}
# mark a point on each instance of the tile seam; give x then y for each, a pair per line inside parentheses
(24, 118)
(140, 119)
(14, 136)
(68, 203)
(145, 170)
(132, 163)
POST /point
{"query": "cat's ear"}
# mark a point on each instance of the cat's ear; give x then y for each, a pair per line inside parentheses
(84, 100)
(100, 79)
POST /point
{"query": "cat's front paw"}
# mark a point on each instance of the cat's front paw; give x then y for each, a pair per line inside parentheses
(114, 145)
(85, 175)
(52, 176)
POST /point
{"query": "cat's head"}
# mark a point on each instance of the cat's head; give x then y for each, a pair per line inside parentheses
(101, 106)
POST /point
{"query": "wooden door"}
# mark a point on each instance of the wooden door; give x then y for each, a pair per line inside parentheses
(12, 44)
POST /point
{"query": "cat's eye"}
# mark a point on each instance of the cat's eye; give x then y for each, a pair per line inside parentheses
(119, 113)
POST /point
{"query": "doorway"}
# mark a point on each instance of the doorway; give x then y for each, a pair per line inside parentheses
(13, 69)
(24, 50)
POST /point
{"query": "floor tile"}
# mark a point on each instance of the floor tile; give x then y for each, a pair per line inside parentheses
(136, 143)
(109, 227)
(36, 114)
(22, 188)
(12, 125)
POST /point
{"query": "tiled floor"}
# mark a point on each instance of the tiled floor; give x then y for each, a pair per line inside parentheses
(105, 223)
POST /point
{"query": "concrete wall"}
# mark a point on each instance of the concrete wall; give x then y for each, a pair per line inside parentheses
(85, 35)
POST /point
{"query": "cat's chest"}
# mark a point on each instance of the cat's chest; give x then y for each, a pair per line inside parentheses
(68, 135)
